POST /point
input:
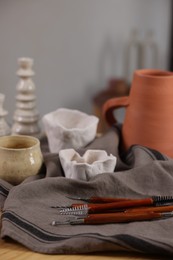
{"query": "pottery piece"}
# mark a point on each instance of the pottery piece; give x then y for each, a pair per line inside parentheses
(85, 167)
(26, 116)
(150, 51)
(21, 157)
(4, 127)
(133, 55)
(67, 128)
(149, 110)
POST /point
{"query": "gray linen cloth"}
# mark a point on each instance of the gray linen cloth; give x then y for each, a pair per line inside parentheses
(141, 172)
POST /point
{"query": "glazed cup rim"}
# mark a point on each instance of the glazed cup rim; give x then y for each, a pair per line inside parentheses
(20, 137)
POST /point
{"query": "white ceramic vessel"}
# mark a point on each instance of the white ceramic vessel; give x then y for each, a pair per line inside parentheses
(26, 115)
(4, 127)
(67, 128)
(20, 157)
(85, 167)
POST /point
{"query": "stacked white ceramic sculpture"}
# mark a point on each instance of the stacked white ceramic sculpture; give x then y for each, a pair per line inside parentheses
(4, 127)
(26, 115)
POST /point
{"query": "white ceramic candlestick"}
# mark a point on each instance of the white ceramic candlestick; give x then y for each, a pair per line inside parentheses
(26, 115)
(4, 127)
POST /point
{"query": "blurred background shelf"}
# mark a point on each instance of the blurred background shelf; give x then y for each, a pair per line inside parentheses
(77, 46)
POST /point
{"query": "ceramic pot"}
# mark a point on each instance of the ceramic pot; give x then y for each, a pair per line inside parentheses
(149, 110)
(20, 157)
(85, 167)
(67, 128)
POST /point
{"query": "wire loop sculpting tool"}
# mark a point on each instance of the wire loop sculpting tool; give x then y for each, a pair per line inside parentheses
(114, 218)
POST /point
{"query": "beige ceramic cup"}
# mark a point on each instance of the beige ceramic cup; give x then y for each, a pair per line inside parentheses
(20, 157)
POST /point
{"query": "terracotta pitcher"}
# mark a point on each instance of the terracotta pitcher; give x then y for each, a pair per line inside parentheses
(149, 111)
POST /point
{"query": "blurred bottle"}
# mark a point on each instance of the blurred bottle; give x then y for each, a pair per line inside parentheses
(149, 51)
(133, 55)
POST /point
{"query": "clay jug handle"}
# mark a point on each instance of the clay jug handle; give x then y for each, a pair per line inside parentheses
(110, 105)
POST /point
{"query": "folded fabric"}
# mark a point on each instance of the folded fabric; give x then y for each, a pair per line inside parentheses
(85, 167)
(27, 211)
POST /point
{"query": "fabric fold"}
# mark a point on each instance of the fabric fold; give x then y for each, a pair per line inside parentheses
(28, 212)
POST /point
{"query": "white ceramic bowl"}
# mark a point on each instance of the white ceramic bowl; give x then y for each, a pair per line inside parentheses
(67, 128)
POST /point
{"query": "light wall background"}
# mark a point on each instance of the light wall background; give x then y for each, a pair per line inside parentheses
(68, 40)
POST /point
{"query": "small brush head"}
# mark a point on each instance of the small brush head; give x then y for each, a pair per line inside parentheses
(78, 211)
(162, 200)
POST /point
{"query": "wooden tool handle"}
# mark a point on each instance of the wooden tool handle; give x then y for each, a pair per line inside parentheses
(120, 217)
(96, 201)
(151, 209)
(106, 200)
(121, 204)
